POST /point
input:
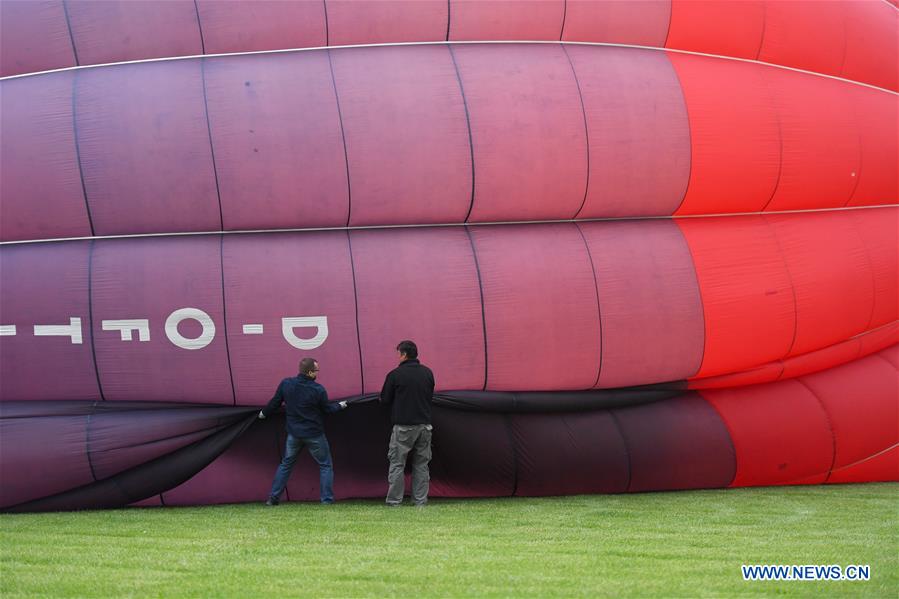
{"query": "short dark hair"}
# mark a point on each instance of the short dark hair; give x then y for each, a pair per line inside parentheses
(307, 365)
(409, 348)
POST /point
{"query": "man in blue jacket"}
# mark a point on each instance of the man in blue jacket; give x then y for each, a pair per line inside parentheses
(307, 403)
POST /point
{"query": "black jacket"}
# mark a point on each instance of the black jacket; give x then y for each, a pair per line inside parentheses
(408, 390)
(307, 403)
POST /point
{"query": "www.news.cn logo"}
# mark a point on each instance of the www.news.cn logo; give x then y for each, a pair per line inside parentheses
(806, 572)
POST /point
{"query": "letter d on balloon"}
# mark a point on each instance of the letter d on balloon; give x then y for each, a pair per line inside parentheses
(319, 322)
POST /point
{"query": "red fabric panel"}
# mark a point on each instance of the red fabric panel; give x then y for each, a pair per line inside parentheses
(149, 121)
(881, 467)
(537, 289)
(40, 191)
(244, 472)
(524, 153)
(45, 284)
(734, 133)
(506, 19)
(254, 25)
(406, 135)
(831, 276)
(150, 278)
(59, 464)
(643, 23)
(872, 28)
(384, 21)
(569, 454)
(816, 120)
(119, 30)
(652, 323)
(34, 37)
(862, 404)
(636, 124)
(678, 443)
(822, 359)
(765, 373)
(780, 433)
(277, 139)
(290, 275)
(877, 116)
(746, 291)
(880, 339)
(879, 232)
(804, 35)
(420, 285)
(720, 27)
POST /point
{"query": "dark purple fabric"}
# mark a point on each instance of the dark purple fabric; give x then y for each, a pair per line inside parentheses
(679, 443)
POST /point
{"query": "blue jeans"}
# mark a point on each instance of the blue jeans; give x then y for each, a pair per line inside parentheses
(320, 452)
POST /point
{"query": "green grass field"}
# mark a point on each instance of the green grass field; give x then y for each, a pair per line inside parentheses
(662, 544)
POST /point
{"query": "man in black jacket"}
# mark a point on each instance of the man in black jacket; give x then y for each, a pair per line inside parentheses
(408, 390)
(307, 403)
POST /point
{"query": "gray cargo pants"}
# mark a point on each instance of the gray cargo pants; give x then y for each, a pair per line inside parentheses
(406, 438)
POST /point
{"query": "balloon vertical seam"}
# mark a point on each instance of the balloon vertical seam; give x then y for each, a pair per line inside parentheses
(468, 124)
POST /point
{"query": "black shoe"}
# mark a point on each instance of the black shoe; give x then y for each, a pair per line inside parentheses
(272, 501)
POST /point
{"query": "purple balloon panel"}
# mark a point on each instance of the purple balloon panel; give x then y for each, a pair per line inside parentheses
(422, 285)
(290, 296)
(144, 148)
(45, 347)
(540, 308)
(120, 30)
(157, 305)
(276, 134)
(38, 160)
(406, 135)
(251, 26)
(637, 130)
(643, 23)
(651, 310)
(523, 152)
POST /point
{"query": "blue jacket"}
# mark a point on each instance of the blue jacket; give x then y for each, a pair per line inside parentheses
(307, 403)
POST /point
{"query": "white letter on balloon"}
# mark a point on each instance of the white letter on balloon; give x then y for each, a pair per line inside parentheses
(319, 322)
(73, 330)
(125, 327)
(205, 338)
